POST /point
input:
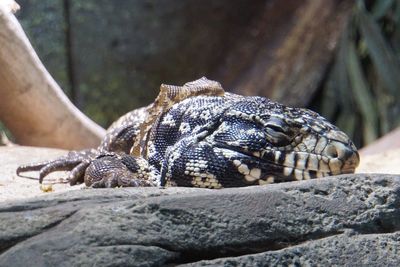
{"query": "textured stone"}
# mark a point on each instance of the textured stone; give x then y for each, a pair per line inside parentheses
(348, 219)
(347, 249)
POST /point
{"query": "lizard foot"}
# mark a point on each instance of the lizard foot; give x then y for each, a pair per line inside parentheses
(120, 170)
(97, 169)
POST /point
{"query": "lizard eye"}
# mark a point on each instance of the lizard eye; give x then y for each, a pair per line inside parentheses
(276, 128)
(278, 133)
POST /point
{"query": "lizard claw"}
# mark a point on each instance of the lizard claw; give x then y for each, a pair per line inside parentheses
(96, 169)
(74, 161)
(77, 173)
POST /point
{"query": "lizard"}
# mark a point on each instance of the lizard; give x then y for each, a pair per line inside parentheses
(198, 135)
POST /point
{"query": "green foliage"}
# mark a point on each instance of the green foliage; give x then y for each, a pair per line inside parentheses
(5, 135)
(362, 92)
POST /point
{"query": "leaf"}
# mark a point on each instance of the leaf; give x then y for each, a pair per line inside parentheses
(383, 102)
(341, 74)
(362, 95)
(384, 59)
(381, 7)
(396, 15)
(329, 100)
(347, 122)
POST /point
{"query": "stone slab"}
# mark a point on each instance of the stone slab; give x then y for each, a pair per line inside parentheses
(304, 223)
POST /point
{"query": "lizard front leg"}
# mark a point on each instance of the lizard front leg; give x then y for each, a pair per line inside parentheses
(97, 169)
(120, 170)
(201, 164)
(119, 139)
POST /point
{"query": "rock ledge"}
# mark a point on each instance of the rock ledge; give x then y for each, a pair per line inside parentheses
(343, 220)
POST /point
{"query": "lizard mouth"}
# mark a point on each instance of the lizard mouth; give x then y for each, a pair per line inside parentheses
(277, 166)
(303, 165)
(299, 170)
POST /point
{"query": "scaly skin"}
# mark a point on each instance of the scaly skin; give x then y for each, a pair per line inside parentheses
(197, 135)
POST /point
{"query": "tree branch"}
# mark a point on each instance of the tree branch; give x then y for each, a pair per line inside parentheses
(33, 106)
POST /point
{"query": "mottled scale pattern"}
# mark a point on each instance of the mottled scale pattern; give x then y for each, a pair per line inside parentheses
(199, 135)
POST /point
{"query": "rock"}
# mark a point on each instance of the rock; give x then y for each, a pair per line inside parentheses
(340, 250)
(343, 220)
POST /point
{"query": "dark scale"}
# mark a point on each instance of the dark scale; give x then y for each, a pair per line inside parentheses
(189, 119)
(198, 135)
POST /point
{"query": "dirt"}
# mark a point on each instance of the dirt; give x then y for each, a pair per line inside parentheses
(13, 187)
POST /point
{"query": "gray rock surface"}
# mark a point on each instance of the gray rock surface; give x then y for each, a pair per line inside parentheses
(343, 220)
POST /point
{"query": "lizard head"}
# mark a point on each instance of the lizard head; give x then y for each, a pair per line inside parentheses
(286, 143)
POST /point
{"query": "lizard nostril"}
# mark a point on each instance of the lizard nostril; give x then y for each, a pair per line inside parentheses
(342, 158)
(331, 151)
(348, 156)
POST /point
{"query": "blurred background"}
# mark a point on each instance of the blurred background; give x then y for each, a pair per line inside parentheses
(340, 58)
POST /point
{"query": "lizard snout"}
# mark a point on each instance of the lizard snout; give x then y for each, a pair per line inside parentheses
(343, 158)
